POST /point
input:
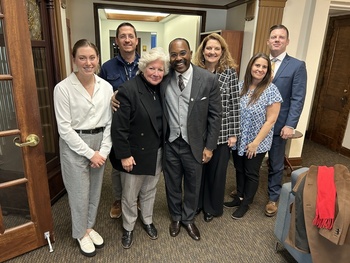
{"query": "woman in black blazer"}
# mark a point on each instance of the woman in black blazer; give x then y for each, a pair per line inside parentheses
(137, 142)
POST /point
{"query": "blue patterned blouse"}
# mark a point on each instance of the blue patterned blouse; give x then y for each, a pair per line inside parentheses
(253, 117)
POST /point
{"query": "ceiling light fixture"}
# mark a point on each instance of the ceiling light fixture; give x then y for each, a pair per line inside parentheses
(140, 13)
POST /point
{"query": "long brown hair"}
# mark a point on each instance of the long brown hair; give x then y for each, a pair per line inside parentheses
(248, 78)
(225, 61)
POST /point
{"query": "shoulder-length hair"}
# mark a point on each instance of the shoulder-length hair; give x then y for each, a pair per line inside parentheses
(248, 78)
(153, 55)
(225, 61)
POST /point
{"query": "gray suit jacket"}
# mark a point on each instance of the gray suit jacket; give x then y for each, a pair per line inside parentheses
(204, 112)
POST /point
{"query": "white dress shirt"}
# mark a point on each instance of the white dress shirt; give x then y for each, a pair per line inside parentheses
(278, 61)
(76, 110)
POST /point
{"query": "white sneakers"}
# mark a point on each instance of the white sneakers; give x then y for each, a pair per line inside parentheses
(88, 243)
(96, 239)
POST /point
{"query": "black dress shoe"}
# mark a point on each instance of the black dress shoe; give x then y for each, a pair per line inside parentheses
(192, 231)
(151, 231)
(174, 228)
(235, 202)
(127, 238)
(208, 217)
(240, 212)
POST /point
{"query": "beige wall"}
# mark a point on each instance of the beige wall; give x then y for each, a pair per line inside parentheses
(307, 32)
(182, 26)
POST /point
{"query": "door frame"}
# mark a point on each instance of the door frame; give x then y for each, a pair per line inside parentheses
(29, 236)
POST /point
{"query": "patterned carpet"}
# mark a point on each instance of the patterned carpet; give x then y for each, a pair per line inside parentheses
(250, 239)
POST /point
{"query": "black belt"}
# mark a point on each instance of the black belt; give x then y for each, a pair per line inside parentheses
(93, 131)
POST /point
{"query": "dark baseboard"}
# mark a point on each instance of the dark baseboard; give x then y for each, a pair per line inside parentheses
(295, 161)
(345, 151)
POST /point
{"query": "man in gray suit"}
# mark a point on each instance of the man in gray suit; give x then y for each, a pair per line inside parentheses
(192, 116)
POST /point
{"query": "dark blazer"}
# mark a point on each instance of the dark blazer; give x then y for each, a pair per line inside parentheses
(204, 111)
(134, 128)
(290, 80)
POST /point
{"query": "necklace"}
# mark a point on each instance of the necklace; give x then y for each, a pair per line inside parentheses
(250, 92)
(153, 92)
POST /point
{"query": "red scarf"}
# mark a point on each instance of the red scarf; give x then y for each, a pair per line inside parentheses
(326, 195)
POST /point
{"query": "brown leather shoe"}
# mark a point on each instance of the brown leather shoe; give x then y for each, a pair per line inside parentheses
(192, 231)
(174, 228)
(271, 208)
(116, 209)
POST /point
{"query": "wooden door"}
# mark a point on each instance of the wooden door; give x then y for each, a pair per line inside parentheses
(42, 28)
(25, 209)
(331, 105)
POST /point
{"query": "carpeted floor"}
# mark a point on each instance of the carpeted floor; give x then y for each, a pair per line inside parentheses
(250, 239)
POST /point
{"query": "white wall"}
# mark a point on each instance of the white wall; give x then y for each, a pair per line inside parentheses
(183, 26)
(80, 13)
(108, 28)
(235, 19)
(346, 141)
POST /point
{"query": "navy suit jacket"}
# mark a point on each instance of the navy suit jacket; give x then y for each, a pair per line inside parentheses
(290, 80)
(204, 111)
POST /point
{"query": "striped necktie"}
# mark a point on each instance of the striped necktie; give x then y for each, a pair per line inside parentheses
(181, 83)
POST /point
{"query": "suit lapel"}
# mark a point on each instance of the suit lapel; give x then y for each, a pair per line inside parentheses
(147, 103)
(163, 86)
(196, 85)
(283, 65)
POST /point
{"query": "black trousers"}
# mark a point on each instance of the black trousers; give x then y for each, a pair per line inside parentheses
(182, 175)
(211, 198)
(247, 175)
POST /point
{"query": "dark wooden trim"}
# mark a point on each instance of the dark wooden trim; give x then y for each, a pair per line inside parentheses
(51, 18)
(238, 3)
(295, 161)
(344, 151)
(97, 6)
(182, 4)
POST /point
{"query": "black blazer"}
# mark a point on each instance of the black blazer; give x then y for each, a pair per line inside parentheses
(134, 128)
(204, 111)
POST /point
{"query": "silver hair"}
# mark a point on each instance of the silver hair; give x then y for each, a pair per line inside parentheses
(153, 55)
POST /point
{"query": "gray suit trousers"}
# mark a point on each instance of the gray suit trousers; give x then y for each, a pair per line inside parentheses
(144, 187)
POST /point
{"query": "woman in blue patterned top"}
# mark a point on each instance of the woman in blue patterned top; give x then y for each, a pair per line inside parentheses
(213, 55)
(260, 106)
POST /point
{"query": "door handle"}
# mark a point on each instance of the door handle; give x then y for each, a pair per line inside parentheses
(31, 140)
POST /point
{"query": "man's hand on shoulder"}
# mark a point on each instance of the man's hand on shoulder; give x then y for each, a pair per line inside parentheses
(115, 104)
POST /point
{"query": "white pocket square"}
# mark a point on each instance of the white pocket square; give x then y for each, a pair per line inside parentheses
(204, 98)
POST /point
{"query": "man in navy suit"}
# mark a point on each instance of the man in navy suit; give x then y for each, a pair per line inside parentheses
(192, 118)
(290, 78)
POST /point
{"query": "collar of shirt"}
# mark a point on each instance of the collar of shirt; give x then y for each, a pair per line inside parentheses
(129, 64)
(279, 58)
(185, 75)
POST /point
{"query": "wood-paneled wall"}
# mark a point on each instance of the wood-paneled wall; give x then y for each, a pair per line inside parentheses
(270, 13)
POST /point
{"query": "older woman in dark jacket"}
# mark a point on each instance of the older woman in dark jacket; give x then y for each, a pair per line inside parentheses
(137, 142)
